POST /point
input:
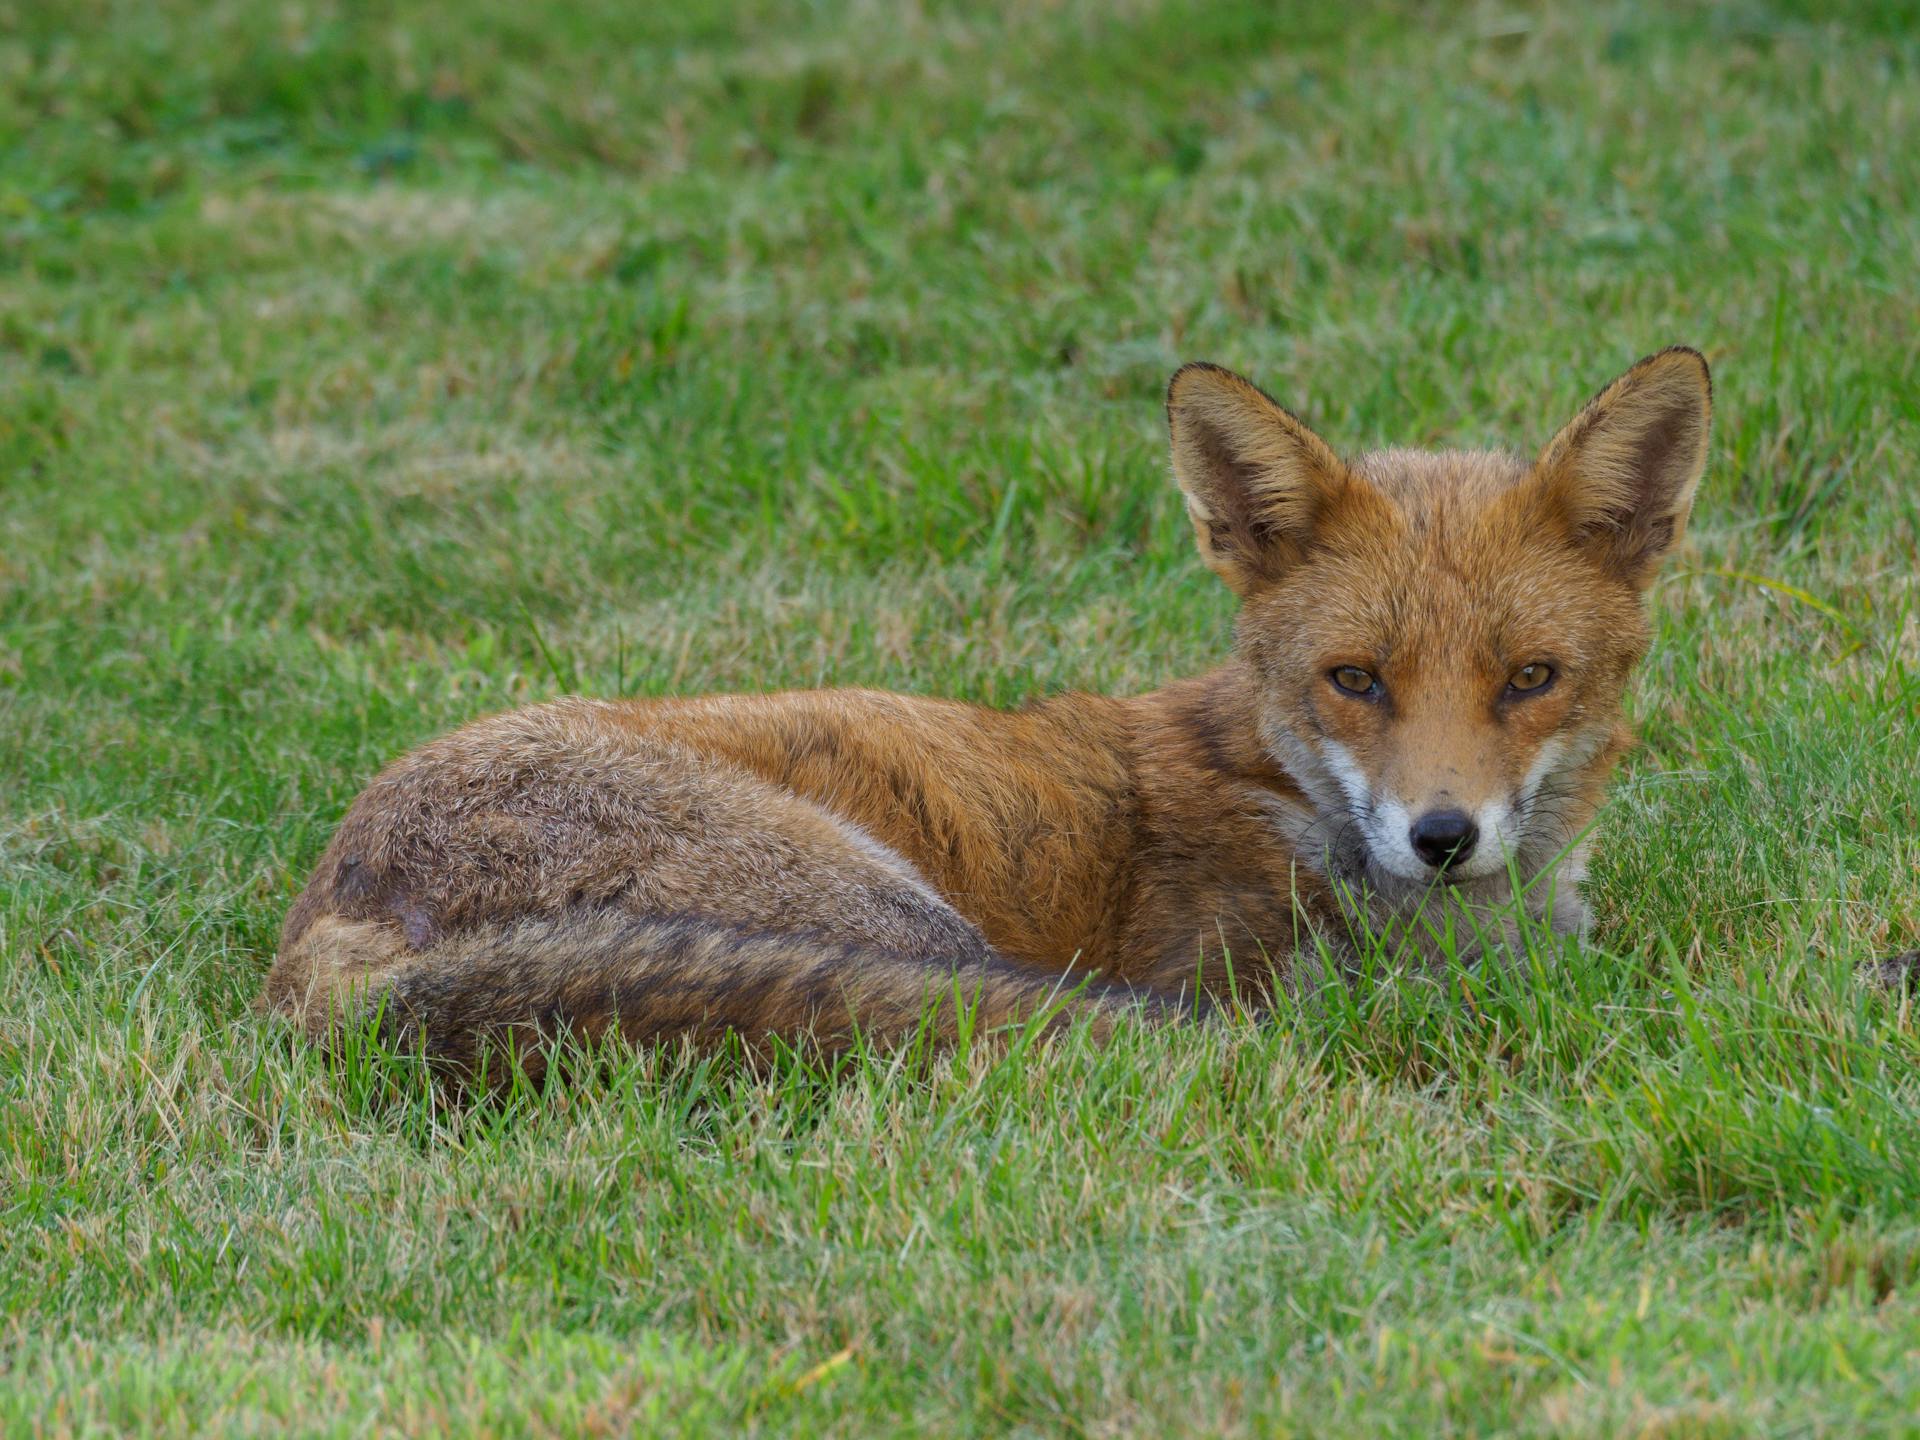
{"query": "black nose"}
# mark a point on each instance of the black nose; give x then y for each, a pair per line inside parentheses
(1442, 836)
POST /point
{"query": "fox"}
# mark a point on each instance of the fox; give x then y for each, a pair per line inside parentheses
(1411, 736)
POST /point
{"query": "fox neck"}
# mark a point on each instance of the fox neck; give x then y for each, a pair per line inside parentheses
(1225, 728)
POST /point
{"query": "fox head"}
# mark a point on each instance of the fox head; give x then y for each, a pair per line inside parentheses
(1440, 641)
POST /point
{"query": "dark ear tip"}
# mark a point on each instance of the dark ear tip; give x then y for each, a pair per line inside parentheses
(1688, 356)
(1220, 380)
(1192, 370)
(1201, 371)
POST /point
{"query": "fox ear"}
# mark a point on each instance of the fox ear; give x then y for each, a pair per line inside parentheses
(1256, 480)
(1623, 473)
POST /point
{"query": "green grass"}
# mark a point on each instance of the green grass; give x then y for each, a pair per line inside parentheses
(367, 368)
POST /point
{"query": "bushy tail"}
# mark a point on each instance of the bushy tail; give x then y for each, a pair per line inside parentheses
(514, 989)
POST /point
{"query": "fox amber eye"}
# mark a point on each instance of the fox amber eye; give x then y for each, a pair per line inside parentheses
(1529, 678)
(1354, 680)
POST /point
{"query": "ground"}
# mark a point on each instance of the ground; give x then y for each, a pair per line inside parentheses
(368, 368)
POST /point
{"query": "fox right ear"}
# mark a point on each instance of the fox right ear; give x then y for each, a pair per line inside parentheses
(1256, 480)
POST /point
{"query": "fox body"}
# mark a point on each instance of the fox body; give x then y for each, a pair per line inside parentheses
(1418, 721)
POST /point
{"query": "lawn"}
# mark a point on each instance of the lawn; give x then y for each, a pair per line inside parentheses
(364, 369)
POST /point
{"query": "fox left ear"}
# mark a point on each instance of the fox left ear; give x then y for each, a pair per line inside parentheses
(1623, 473)
(1258, 483)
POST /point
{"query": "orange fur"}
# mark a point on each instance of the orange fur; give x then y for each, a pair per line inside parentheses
(817, 860)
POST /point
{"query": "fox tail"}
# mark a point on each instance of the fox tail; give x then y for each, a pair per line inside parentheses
(513, 990)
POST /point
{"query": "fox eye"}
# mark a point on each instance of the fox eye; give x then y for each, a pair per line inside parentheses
(1530, 678)
(1355, 681)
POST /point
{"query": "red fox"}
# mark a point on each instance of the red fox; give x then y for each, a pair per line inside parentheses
(1419, 718)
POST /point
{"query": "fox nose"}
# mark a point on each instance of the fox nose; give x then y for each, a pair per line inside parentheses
(1441, 837)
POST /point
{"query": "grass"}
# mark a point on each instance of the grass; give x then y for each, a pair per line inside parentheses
(369, 368)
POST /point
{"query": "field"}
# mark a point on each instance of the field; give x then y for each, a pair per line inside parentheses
(368, 368)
